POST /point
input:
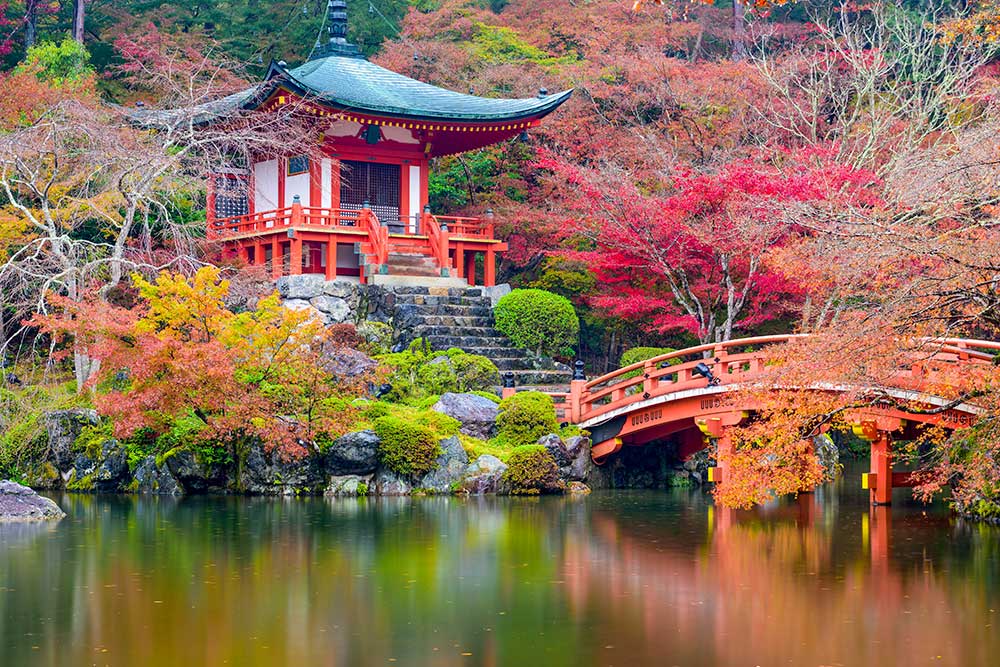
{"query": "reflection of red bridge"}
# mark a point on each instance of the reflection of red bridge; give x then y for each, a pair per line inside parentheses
(692, 394)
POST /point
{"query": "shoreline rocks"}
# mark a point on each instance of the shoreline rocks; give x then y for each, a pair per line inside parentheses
(19, 503)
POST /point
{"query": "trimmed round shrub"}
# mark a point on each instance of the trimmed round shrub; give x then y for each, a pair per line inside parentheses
(538, 320)
(525, 417)
(531, 470)
(406, 448)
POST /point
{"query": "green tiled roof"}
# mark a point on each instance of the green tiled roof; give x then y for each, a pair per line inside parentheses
(362, 86)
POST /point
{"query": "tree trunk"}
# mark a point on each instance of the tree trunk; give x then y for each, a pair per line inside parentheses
(79, 12)
(30, 23)
(739, 31)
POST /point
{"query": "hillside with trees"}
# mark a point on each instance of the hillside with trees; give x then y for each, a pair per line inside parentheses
(722, 170)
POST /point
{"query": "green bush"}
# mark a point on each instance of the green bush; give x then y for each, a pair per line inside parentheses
(636, 354)
(420, 373)
(406, 448)
(525, 417)
(531, 470)
(188, 433)
(538, 320)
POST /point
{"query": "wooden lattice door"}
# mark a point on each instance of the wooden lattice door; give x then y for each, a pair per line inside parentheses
(376, 183)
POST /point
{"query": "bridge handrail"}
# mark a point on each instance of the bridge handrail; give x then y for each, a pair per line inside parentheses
(613, 390)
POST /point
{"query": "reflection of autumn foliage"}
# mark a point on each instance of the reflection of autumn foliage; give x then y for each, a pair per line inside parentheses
(263, 373)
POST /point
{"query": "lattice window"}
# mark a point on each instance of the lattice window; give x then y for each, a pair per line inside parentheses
(231, 197)
(298, 165)
(374, 182)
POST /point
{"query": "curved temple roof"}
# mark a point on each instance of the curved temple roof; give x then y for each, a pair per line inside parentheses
(356, 84)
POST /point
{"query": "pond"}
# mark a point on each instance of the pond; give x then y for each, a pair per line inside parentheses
(614, 578)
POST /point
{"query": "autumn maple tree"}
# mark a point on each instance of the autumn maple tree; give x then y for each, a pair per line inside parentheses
(266, 375)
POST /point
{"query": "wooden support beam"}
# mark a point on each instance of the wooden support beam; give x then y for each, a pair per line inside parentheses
(331, 259)
(277, 260)
(470, 268)
(490, 270)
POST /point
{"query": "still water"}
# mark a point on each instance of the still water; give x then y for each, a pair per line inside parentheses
(616, 578)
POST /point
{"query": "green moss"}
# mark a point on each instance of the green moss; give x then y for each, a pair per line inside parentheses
(475, 447)
(487, 394)
(538, 320)
(406, 448)
(190, 433)
(531, 470)
(362, 489)
(524, 418)
(132, 487)
(92, 438)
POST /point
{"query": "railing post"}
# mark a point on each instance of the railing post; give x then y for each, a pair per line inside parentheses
(576, 389)
(508, 389)
(649, 383)
(489, 223)
(296, 211)
(443, 251)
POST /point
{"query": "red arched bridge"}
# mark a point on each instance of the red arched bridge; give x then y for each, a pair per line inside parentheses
(693, 394)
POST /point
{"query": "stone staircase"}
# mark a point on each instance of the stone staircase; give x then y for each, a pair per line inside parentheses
(463, 317)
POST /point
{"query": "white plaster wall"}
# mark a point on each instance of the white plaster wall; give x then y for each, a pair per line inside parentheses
(346, 257)
(265, 186)
(415, 209)
(297, 185)
(326, 183)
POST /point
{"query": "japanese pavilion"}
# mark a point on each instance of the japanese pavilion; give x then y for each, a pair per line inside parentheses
(361, 209)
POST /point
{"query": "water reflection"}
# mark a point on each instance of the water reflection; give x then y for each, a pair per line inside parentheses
(612, 579)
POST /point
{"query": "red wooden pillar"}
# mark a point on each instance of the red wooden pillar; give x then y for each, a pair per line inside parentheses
(459, 261)
(490, 269)
(295, 256)
(258, 251)
(277, 262)
(881, 469)
(331, 258)
(470, 268)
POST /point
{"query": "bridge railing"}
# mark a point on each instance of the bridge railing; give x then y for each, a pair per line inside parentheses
(730, 362)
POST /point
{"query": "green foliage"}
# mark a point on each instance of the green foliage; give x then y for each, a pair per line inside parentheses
(23, 440)
(524, 418)
(85, 483)
(406, 448)
(190, 433)
(502, 44)
(419, 373)
(377, 337)
(66, 63)
(487, 394)
(531, 470)
(565, 277)
(636, 354)
(538, 320)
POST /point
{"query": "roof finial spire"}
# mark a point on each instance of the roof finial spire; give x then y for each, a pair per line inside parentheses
(336, 12)
(337, 45)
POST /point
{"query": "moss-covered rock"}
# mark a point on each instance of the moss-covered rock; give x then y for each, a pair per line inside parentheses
(406, 448)
(532, 470)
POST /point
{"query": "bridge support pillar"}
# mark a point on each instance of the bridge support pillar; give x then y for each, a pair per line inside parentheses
(717, 428)
(879, 479)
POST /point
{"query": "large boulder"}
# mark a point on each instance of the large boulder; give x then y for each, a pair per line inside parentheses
(449, 469)
(476, 414)
(484, 475)
(19, 503)
(572, 455)
(496, 293)
(388, 483)
(828, 455)
(353, 454)
(271, 474)
(305, 286)
(349, 485)
(156, 479)
(340, 289)
(63, 428)
(334, 309)
(193, 476)
(112, 474)
(347, 362)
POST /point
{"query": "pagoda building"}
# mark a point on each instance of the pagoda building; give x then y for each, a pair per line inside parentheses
(361, 207)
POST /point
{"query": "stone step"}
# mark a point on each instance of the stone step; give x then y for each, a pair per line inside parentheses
(508, 363)
(533, 378)
(442, 299)
(456, 309)
(418, 290)
(427, 281)
(448, 330)
(457, 321)
(475, 343)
